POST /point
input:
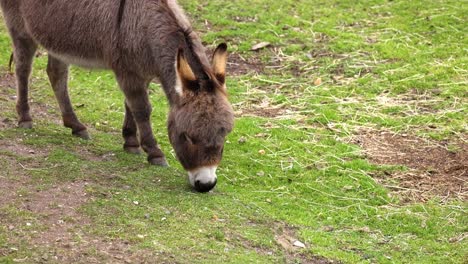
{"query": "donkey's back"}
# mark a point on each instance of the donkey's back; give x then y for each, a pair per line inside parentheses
(82, 32)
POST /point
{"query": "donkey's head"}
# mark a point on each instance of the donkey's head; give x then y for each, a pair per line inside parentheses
(201, 118)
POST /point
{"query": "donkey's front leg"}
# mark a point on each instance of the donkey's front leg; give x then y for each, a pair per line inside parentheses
(58, 76)
(136, 95)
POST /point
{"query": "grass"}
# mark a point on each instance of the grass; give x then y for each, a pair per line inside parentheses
(383, 65)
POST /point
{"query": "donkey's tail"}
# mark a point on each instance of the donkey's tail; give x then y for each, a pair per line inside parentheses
(10, 62)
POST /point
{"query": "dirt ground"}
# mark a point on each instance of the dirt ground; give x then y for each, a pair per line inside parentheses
(434, 168)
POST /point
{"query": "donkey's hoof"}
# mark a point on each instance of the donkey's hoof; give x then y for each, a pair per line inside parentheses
(161, 161)
(82, 134)
(25, 124)
(132, 150)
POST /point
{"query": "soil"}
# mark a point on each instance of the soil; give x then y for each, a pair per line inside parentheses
(238, 65)
(59, 208)
(433, 168)
(285, 238)
(268, 112)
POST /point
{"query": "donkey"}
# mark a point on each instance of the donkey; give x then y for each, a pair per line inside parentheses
(138, 40)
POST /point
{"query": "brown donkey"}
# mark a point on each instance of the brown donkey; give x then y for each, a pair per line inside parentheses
(139, 40)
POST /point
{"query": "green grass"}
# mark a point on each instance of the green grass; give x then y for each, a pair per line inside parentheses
(384, 65)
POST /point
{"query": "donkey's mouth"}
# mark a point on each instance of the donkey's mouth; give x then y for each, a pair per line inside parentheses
(203, 179)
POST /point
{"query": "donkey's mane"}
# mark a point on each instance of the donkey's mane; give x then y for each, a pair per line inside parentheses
(194, 53)
(120, 14)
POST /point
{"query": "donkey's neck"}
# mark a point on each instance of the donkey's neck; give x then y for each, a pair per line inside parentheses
(172, 30)
(167, 73)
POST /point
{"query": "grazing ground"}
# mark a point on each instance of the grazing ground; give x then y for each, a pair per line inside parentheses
(350, 146)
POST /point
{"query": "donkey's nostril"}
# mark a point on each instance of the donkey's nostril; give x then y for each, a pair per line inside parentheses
(204, 187)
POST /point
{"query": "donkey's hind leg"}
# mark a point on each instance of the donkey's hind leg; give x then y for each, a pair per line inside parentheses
(24, 50)
(129, 132)
(58, 76)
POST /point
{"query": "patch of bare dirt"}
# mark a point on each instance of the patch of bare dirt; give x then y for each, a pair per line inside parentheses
(286, 238)
(265, 107)
(60, 231)
(7, 81)
(13, 174)
(238, 65)
(91, 156)
(65, 239)
(269, 112)
(433, 169)
(17, 148)
(8, 189)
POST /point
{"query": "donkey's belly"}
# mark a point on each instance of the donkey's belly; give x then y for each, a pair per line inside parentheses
(77, 32)
(92, 63)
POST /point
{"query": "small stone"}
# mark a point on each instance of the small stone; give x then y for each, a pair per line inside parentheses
(268, 200)
(260, 46)
(318, 81)
(242, 140)
(364, 229)
(11, 227)
(298, 244)
(28, 224)
(147, 216)
(436, 91)
(261, 152)
(136, 203)
(163, 219)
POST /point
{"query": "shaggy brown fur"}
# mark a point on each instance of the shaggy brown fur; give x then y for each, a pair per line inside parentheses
(138, 40)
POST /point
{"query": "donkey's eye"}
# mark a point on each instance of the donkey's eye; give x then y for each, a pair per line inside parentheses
(224, 131)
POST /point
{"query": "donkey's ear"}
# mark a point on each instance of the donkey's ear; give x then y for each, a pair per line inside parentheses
(219, 62)
(184, 71)
(185, 78)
